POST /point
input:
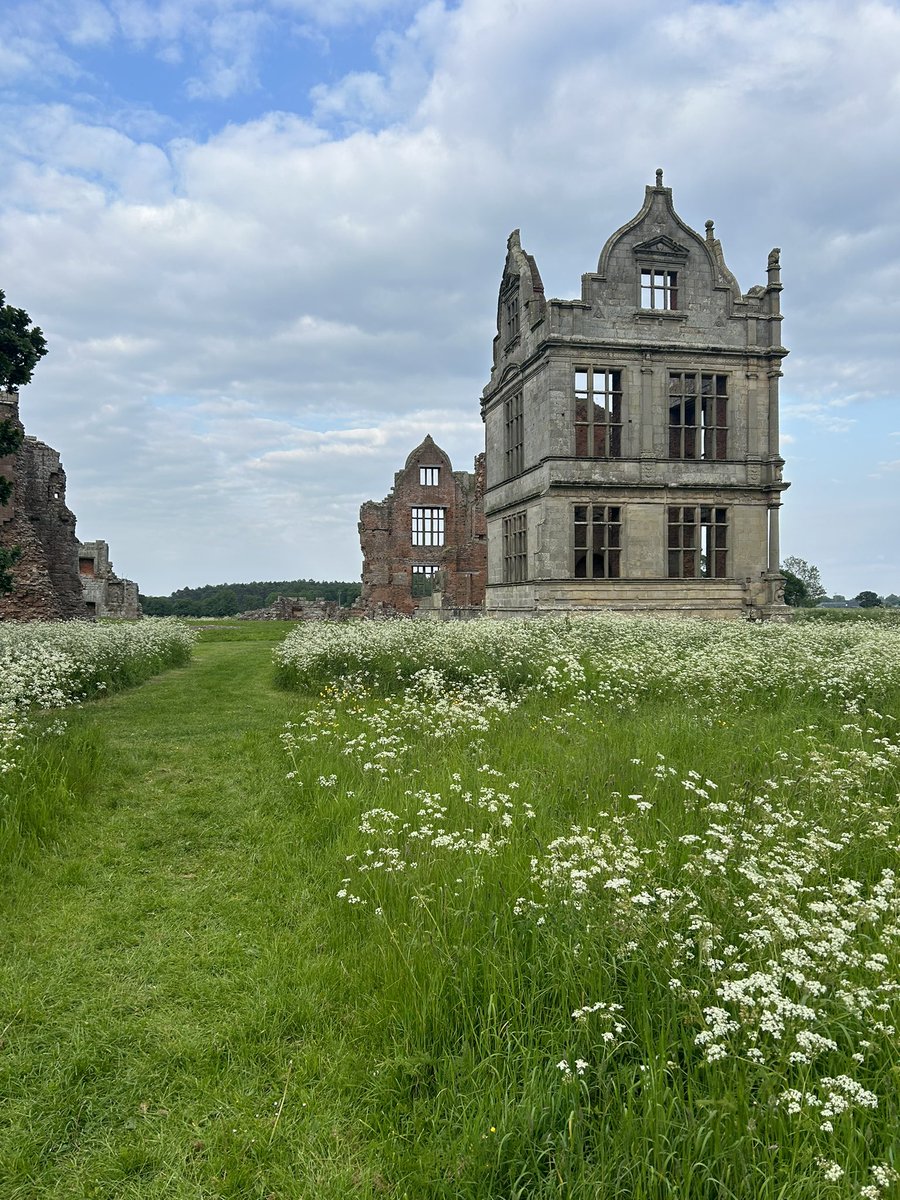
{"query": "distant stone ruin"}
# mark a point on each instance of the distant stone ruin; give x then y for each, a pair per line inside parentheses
(292, 608)
(424, 546)
(45, 578)
(105, 594)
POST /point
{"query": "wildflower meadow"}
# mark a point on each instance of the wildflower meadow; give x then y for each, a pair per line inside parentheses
(620, 900)
(591, 908)
(46, 667)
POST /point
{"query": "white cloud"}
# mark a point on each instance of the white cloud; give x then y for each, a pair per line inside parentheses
(225, 309)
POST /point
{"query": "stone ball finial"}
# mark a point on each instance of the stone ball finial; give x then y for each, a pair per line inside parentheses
(659, 175)
(710, 230)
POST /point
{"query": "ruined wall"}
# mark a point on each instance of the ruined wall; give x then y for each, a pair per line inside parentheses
(444, 564)
(45, 578)
(292, 608)
(105, 594)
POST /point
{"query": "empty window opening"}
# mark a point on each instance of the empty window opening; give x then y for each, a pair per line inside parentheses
(514, 435)
(659, 289)
(424, 579)
(698, 542)
(598, 413)
(429, 476)
(597, 541)
(511, 308)
(428, 526)
(86, 567)
(515, 548)
(698, 420)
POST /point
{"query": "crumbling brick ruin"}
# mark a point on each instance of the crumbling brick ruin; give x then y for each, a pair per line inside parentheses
(423, 546)
(45, 577)
(105, 594)
(632, 448)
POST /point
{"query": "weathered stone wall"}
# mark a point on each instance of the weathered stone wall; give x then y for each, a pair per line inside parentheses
(711, 327)
(105, 594)
(36, 519)
(390, 555)
(292, 608)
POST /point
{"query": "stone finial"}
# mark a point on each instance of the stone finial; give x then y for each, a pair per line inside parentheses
(659, 176)
(710, 231)
(513, 242)
(775, 259)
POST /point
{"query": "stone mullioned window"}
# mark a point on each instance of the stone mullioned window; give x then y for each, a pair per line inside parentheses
(697, 542)
(514, 435)
(698, 415)
(428, 526)
(659, 289)
(597, 541)
(598, 412)
(515, 548)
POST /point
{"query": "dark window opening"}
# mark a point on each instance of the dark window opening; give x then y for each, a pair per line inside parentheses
(515, 548)
(598, 413)
(698, 419)
(597, 541)
(514, 435)
(511, 315)
(698, 542)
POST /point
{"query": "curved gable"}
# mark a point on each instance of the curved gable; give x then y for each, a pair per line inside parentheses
(427, 453)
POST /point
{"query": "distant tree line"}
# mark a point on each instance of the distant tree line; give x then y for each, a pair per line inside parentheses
(803, 589)
(228, 599)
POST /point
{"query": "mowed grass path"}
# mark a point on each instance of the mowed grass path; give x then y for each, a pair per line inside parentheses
(171, 1004)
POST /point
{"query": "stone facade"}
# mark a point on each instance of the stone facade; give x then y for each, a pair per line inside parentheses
(424, 549)
(105, 594)
(36, 519)
(632, 455)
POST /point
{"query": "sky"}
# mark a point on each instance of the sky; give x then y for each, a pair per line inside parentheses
(264, 243)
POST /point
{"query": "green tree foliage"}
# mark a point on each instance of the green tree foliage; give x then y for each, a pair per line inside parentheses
(22, 345)
(795, 592)
(868, 600)
(891, 600)
(228, 599)
(809, 576)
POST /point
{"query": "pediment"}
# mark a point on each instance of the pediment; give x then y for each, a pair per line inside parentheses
(661, 247)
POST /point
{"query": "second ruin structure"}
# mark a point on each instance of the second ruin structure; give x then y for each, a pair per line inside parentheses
(104, 593)
(424, 545)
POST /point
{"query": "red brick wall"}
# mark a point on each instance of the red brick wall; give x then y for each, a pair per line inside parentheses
(385, 531)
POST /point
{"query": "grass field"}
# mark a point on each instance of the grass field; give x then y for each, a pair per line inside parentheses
(584, 909)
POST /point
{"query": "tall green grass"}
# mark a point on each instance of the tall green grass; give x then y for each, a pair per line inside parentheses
(44, 667)
(596, 842)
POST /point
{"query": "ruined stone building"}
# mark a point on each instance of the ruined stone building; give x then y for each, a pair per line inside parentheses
(424, 545)
(632, 456)
(104, 593)
(36, 519)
